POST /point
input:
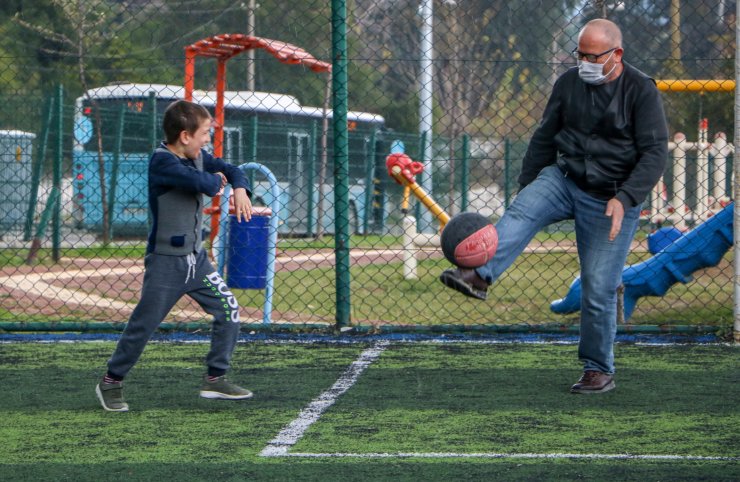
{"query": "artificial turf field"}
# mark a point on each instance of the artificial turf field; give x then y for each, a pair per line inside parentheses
(380, 410)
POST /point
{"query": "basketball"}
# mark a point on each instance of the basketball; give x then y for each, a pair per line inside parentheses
(469, 240)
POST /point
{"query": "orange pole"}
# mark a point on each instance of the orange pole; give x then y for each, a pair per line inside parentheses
(218, 131)
(189, 73)
(218, 138)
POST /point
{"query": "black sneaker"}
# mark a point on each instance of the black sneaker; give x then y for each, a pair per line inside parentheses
(466, 281)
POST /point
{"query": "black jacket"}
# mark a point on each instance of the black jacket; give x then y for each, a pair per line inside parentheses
(176, 189)
(622, 154)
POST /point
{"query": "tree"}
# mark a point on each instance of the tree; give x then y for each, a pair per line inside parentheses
(86, 20)
(485, 53)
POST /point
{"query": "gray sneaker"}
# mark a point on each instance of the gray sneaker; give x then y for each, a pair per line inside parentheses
(111, 396)
(223, 389)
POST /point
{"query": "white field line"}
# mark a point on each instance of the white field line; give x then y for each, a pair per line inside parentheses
(486, 455)
(204, 339)
(293, 432)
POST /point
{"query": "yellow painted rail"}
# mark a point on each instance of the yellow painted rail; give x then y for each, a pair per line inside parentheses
(709, 85)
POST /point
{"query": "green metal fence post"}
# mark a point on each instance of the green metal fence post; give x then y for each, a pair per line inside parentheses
(153, 126)
(114, 169)
(341, 159)
(312, 156)
(369, 187)
(464, 179)
(56, 239)
(153, 130)
(51, 205)
(38, 168)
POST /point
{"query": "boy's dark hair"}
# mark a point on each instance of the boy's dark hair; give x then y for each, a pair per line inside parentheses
(182, 115)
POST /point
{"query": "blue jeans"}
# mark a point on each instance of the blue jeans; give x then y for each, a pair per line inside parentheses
(552, 197)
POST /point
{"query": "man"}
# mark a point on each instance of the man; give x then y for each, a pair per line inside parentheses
(600, 148)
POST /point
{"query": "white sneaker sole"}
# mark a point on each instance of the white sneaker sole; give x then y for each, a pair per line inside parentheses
(99, 394)
(223, 396)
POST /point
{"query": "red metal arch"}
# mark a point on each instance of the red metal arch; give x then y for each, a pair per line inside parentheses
(228, 45)
(222, 48)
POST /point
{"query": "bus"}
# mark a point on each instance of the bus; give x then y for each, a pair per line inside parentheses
(121, 124)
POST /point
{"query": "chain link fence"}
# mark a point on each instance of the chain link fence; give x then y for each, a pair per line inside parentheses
(459, 85)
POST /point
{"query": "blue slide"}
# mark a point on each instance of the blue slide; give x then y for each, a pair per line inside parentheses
(702, 247)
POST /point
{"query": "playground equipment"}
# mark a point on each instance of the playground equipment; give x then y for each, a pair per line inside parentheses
(222, 48)
(709, 198)
(403, 170)
(702, 247)
(678, 211)
(695, 85)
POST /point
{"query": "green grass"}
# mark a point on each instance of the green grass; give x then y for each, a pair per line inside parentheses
(522, 295)
(125, 251)
(371, 241)
(133, 249)
(374, 241)
(462, 398)
(514, 396)
(379, 292)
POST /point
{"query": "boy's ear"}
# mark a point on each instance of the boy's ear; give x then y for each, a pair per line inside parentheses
(184, 137)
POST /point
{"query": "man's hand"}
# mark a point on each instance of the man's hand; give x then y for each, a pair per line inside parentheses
(615, 210)
(242, 205)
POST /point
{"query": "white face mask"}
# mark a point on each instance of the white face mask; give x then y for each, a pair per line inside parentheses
(592, 73)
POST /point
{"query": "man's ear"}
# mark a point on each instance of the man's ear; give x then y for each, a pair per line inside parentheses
(618, 54)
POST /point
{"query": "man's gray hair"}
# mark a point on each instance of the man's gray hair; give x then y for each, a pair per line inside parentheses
(609, 29)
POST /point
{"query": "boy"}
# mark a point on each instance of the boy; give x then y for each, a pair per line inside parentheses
(180, 172)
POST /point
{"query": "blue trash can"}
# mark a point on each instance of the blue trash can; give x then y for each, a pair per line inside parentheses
(246, 264)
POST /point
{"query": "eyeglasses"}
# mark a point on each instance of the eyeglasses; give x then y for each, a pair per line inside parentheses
(590, 57)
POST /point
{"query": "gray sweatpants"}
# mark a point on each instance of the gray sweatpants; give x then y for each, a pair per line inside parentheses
(166, 280)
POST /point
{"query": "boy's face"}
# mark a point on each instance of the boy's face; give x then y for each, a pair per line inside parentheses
(193, 143)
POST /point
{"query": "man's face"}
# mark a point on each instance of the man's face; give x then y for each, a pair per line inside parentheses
(195, 142)
(598, 49)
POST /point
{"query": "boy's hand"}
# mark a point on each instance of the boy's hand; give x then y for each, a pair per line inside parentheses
(223, 183)
(242, 205)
